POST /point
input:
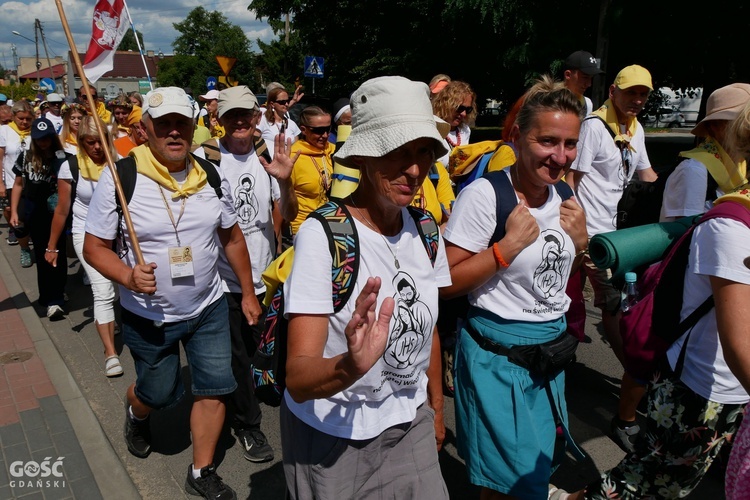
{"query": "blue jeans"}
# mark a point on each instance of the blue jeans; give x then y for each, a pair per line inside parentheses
(156, 352)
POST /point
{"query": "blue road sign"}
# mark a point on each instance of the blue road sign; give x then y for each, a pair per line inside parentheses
(314, 66)
(47, 85)
(211, 82)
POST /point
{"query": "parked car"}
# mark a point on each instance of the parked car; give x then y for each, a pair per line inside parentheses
(665, 117)
(489, 117)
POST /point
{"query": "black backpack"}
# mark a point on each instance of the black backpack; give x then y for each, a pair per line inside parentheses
(127, 171)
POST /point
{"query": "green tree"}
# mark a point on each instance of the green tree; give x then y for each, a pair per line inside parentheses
(128, 41)
(203, 36)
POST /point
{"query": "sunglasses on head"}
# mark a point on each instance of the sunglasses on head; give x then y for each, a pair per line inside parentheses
(283, 102)
(462, 108)
(319, 130)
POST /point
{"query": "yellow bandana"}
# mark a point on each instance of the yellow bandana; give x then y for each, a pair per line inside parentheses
(23, 134)
(89, 170)
(149, 166)
(72, 140)
(607, 113)
(740, 195)
(727, 174)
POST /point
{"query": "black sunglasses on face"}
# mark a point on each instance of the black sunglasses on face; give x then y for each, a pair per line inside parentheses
(461, 109)
(283, 102)
(319, 130)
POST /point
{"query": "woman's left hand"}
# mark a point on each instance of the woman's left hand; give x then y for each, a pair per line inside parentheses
(439, 429)
(51, 258)
(573, 222)
(281, 166)
(366, 335)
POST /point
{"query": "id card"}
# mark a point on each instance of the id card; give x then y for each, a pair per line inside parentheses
(181, 262)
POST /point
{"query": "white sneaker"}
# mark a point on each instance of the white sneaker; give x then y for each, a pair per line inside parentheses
(55, 312)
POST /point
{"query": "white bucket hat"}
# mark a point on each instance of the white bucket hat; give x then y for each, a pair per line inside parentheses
(388, 112)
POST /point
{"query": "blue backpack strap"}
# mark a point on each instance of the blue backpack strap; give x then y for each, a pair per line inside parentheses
(478, 171)
(505, 197)
(343, 243)
(505, 201)
(428, 231)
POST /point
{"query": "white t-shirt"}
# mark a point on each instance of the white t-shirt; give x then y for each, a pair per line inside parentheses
(84, 192)
(719, 248)
(465, 132)
(254, 192)
(588, 104)
(685, 191)
(600, 159)
(269, 131)
(69, 148)
(11, 141)
(180, 298)
(391, 391)
(57, 121)
(532, 288)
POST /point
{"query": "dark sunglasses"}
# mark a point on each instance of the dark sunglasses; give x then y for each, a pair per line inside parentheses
(319, 130)
(283, 102)
(461, 109)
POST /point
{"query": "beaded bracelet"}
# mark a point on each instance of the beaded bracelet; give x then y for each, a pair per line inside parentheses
(498, 256)
(51, 251)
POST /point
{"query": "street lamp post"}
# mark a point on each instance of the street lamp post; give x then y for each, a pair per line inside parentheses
(36, 44)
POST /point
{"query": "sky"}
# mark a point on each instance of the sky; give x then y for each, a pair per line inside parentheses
(153, 19)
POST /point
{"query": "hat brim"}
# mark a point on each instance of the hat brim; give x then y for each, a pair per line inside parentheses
(167, 109)
(592, 71)
(725, 114)
(377, 142)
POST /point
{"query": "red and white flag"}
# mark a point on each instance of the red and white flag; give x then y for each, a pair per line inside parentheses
(109, 27)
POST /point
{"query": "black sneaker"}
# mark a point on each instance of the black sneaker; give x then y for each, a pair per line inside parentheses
(256, 445)
(624, 437)
(209, 485)
(137, 435)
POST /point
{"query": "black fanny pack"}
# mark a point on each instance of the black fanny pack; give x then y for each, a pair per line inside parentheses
(545, 359)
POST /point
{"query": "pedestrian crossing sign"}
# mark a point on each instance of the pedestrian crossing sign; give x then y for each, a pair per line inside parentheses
(314, 66)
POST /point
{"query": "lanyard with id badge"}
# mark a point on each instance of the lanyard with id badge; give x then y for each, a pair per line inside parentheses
(180, 257)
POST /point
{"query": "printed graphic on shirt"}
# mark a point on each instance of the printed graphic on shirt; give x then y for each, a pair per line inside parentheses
(245, 202)
(412, 320)
(549, 274)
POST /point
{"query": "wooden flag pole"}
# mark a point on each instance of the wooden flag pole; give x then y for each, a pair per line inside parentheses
(102, 137)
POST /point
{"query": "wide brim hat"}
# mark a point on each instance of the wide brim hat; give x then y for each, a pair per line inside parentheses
(388, 112)
(724, 103)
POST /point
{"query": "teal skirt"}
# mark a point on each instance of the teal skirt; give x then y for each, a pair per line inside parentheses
(506, 429)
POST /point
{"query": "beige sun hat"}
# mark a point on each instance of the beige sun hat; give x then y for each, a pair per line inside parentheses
(388, 112)
(724, 103)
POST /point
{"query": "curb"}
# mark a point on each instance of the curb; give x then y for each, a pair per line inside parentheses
(109, 472)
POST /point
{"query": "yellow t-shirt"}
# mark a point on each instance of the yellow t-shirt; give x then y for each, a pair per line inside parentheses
(435, 199)
(311, 178)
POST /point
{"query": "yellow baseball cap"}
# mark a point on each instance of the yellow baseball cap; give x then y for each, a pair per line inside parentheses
(631, 76)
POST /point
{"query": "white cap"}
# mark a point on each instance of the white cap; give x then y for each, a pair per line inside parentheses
(210, 95)
(166, 100)
(53, 97)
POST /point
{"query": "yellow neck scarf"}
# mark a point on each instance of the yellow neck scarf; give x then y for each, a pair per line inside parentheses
(72, 140)
(89, 170)
(607, 113)
(727, 174)
(740, 195)
(149, 166)
(23, 134)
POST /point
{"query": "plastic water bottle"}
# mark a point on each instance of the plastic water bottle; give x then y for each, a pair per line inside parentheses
(629, 292)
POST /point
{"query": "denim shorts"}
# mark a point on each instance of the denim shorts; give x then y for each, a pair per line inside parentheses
(156, 352)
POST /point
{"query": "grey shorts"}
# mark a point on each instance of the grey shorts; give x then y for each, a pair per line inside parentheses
(402, 462)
